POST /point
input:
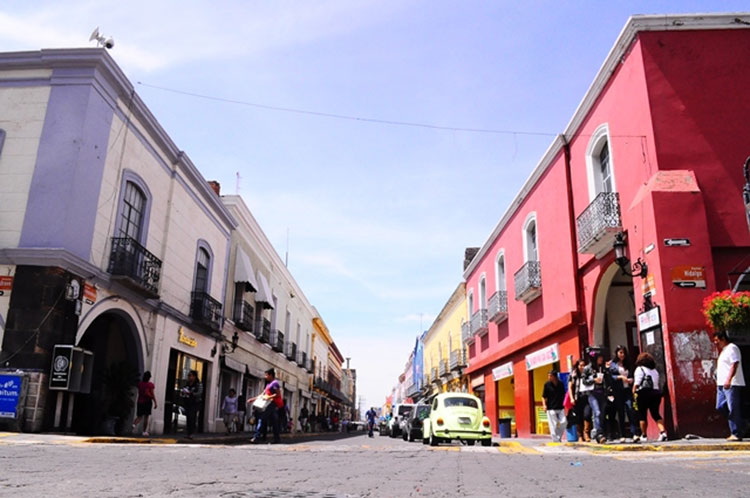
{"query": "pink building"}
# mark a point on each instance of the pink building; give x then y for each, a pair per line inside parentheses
(653, 155)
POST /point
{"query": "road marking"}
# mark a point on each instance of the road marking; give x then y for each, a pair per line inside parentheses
(514, 447)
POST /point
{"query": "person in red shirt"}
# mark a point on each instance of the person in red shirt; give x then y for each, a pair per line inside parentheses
(271, 415)
(145, 398)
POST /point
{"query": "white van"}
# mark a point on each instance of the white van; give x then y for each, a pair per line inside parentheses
(399, 413)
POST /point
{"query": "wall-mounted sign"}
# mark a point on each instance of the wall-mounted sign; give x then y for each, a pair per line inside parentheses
(649, 319)
(6, 284)
(10, 394)
(648, 286)
(689, 276)
(676, 242)
(186, 339)
(89, 293)
(503, 371)
(545, 356)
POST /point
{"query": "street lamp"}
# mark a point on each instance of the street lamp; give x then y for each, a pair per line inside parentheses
(639, 269)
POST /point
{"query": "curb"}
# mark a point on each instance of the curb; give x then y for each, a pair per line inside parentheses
(738, 446)
(129, 440)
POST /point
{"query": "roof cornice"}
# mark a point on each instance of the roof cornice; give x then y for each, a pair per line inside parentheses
(634, 25)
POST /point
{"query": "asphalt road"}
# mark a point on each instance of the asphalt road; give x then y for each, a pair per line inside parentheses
(360, 467)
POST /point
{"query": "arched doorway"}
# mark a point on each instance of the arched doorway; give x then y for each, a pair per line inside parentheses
(113, 338)
(615, 321)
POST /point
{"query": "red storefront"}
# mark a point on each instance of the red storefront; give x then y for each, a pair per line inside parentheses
(651, 161)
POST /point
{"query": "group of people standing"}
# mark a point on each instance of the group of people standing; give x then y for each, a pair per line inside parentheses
(606, 399)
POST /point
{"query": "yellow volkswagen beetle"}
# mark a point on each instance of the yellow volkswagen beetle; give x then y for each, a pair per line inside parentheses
(456, 417)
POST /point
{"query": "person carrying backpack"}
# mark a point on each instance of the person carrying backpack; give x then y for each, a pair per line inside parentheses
(647, 394)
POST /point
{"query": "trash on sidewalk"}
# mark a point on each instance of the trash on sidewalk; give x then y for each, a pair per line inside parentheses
(576, 464)
(691, 436)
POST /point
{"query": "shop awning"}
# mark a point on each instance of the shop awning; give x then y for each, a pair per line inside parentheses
(477, 381)
(235, 365)
(243, 271)
(264, 292)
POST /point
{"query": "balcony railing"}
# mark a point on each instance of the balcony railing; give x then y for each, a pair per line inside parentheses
(479, 323)
(134, 265)
(598, 224)
(498, 306)
(277, 340)
(243, 316)
(291, 351)
(443, 369)
(466, 335)
(309, 366)
(205, 310)
(263, 330)
(302, 359)
(434, 374)
(458, 359)
(528, 282)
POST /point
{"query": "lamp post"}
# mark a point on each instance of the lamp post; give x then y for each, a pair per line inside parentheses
(639, 269)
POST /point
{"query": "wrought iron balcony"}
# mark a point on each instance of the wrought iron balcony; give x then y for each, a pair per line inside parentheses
(598, 224)
(443, 369)
(291, 351)
(263, 330)
(466, 335)
(243, 316)
(205, 310)
(309, 366)
(277, 340)
(302, 359)
(134, 266)
(434, 374)
(479, 322)
(458, 359)
(498, 306)
(528, 282)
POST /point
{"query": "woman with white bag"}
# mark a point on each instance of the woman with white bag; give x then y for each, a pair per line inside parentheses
(269, 403)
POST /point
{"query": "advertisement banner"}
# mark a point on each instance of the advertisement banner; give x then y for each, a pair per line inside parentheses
(503, 371)
(10, 394)
(545, 356)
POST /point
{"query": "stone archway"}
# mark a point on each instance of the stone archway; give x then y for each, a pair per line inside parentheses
(113, 338)
(614, 312)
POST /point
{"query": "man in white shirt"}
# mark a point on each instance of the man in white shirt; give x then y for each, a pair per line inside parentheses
(729, 382)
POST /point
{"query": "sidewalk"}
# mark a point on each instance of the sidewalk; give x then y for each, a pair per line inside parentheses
(221, 438)
(701, 444)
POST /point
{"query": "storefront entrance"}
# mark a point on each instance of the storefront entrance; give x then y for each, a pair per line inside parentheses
(175, 415)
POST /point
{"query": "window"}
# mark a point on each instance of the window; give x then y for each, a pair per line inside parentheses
(2, 140)
(471, 302)
(483, 293)
(600, 170)
(530, 239)
(500, 271)
(131, 217)
(201, 271)
(468, 402)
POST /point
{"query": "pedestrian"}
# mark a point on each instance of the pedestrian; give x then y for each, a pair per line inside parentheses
(730, 380)
(647, 396)
(193, 395)
(272, 413)
(241, 410)
(597, 377)
(580, 397)
(623, 381)
(552, 401)
(229, 410)
(146, 398)
(370, 416)
(304, 414)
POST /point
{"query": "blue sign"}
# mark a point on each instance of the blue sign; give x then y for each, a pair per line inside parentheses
(10, 393)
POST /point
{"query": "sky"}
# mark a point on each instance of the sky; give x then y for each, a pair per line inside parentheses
(378, 215)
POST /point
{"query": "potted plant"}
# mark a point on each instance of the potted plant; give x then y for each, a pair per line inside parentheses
(728, 312)
(119, 379)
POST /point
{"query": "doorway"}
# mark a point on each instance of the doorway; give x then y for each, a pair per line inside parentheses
(175, 413)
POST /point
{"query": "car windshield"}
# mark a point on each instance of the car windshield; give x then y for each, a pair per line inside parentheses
(460, 401)
(423, 412)
(404, 410)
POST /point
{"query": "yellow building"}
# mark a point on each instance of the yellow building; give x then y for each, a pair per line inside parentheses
(444, 351)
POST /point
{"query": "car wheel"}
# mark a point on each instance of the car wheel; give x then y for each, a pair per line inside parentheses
(470, 442)
(487, 442)
(434, 441)
(425, 440)
(411, 437)
(403, 435)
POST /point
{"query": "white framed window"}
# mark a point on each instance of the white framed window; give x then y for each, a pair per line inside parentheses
(203, 264)
(500, 271)
(599, 165)
(470, 302)
(530, 239)
(483, 292)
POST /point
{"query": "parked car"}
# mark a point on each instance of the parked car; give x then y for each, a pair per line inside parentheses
(456, 417)
(411, 427)
(399, 412)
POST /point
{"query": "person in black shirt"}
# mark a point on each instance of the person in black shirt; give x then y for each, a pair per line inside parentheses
(552, 401)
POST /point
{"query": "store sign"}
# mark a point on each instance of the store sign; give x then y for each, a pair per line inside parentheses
(89, 293)
(61, 362)
(688, 276)
(649, 319)
(6, 284)
(648, 286)
(186, 339)
(503, 371)
(546, 356)
(10, 394)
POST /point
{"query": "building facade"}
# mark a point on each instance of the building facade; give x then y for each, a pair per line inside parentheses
(650, 165)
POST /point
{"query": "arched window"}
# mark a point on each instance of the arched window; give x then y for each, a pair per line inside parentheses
(203, 265)
(530, 239)
(132, 212)
(483, 293)
(599, 165)
(470, 302)
(500, 272)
